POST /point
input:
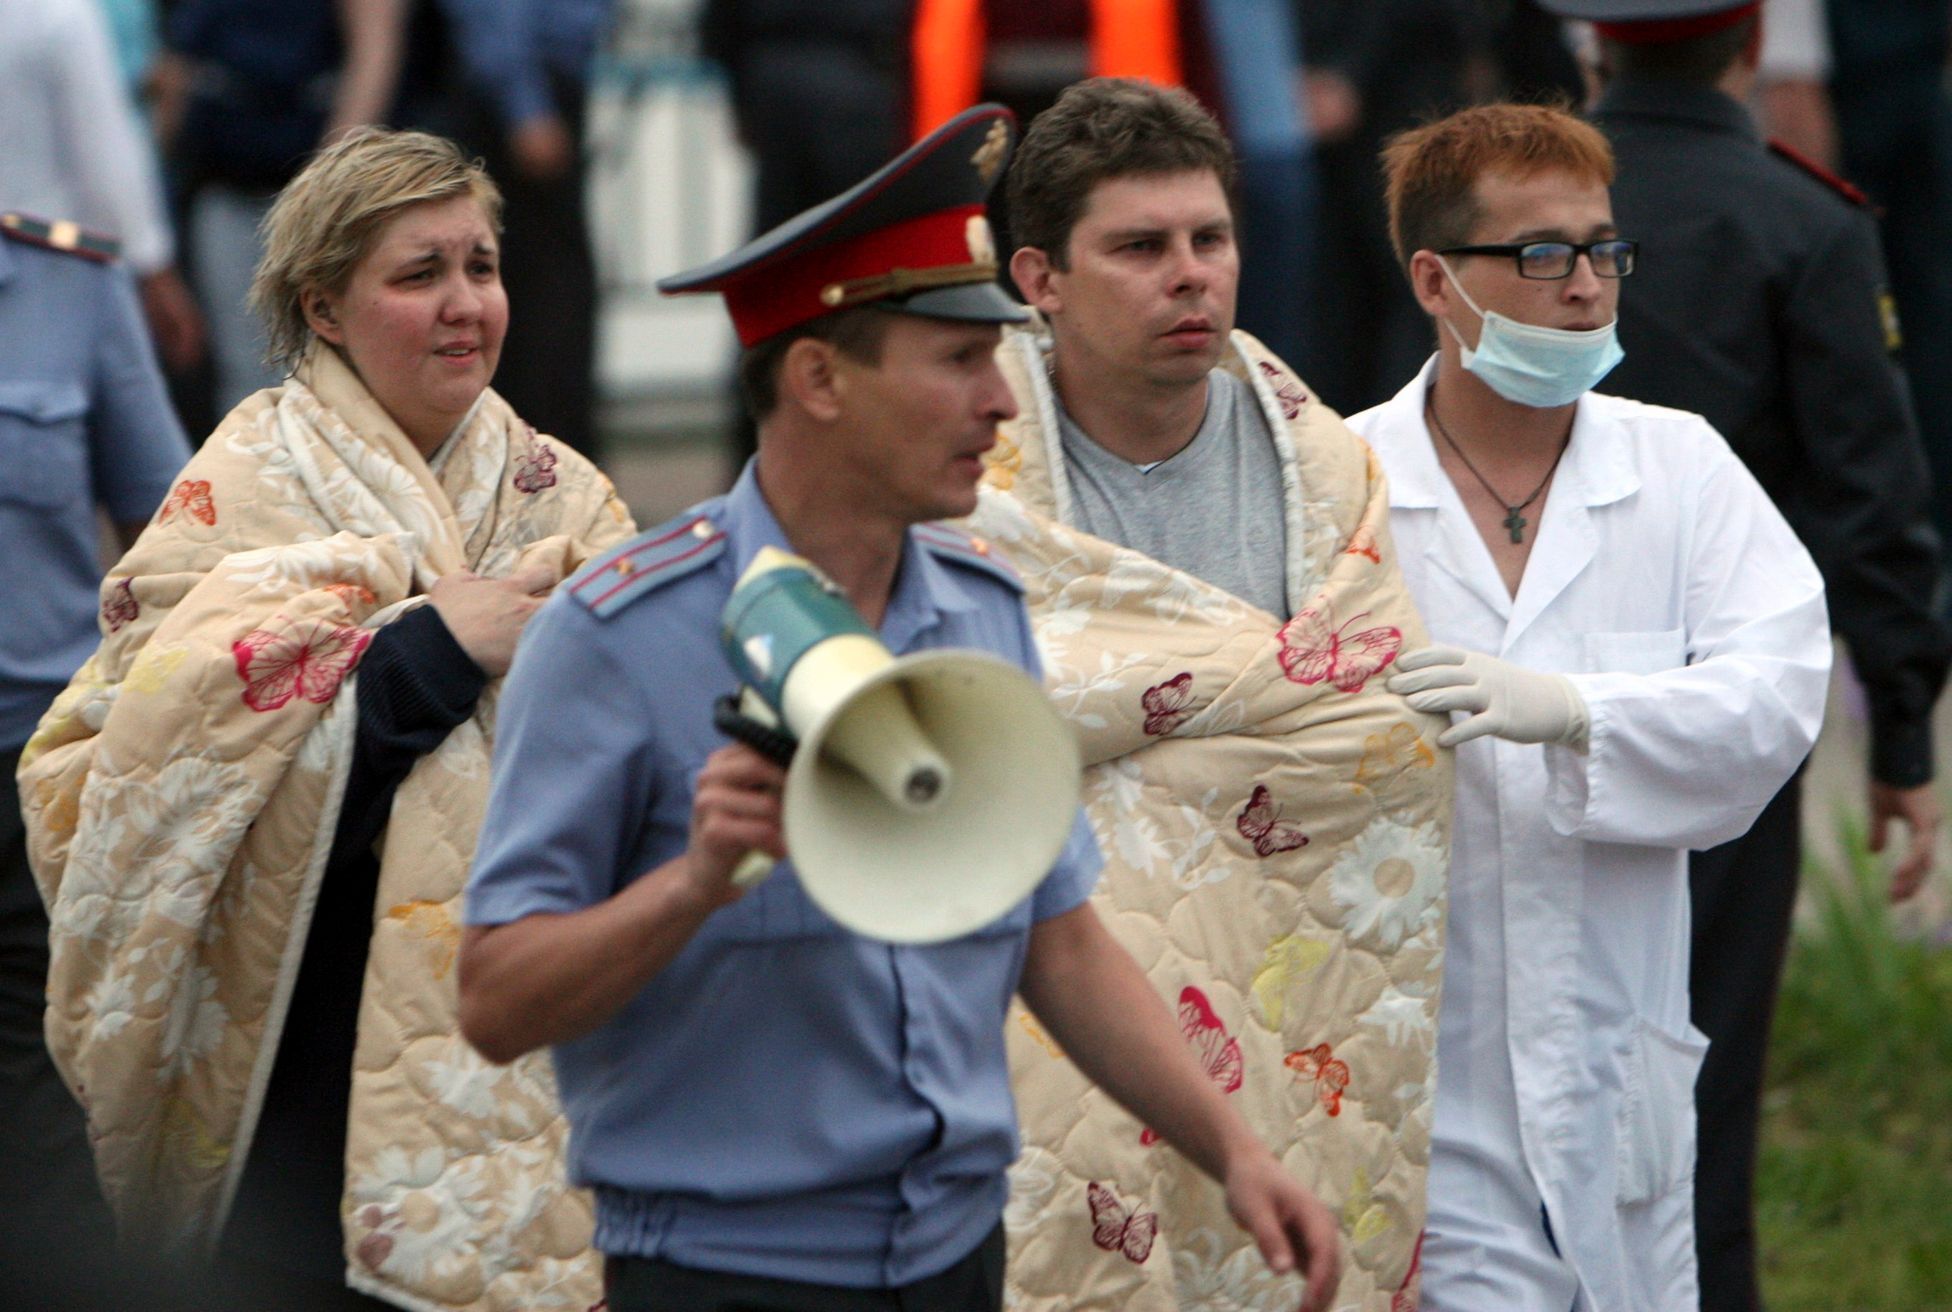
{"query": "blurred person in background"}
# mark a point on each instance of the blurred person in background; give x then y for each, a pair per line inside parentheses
(1894, 121)
(819, 101)
(525, 68)
(1375, 68)
(246, 91)
(1761, 303)
(84, 423)
(819, 93)
(305, 645)
(72, 147)
(1791, 98)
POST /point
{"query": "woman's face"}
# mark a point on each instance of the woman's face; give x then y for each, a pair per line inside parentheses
(423, 316)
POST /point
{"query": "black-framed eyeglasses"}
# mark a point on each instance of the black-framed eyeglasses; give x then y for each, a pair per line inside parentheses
(1612, 258)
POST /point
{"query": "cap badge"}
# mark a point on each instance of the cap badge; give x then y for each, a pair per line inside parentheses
(982, 245)
(988, 158)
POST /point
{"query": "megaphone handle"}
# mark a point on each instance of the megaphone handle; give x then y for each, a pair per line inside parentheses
(752, 868)
(769, 740)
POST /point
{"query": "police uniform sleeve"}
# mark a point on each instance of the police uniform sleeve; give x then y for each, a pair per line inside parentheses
(1865, 511)
(1071, 880)
(135, 443)
(572, 778)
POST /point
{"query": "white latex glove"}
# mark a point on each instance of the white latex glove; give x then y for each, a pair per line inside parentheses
(1518, 705)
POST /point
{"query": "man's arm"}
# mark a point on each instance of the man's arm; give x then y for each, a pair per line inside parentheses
(1092, 998)
(374, 33)
(1865, 513)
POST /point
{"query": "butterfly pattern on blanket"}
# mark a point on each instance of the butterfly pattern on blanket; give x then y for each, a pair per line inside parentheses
(1275, 826)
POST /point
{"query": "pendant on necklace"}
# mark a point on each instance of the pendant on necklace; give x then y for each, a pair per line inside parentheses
(1516, 523)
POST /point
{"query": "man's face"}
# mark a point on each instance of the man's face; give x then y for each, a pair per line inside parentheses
(916, 424)
(1549, 205)
(1147, 301)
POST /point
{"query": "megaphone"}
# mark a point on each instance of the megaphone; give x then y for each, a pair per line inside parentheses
(928, 794)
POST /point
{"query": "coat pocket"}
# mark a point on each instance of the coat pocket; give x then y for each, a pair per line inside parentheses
(1655, 1149)
(43, 444)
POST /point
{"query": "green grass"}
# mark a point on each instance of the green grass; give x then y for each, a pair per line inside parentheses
(1854, 1186)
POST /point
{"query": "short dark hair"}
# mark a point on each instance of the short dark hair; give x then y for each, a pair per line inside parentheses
(856, 332)
(1694, 61)
(1431, 172)
(1102, 128)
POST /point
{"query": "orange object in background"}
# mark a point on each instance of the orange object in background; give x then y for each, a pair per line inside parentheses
(1129, 38)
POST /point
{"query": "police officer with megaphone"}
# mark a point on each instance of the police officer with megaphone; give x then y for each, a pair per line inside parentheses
(774, 1109)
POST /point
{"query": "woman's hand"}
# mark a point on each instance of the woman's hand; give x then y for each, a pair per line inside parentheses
(486, 616)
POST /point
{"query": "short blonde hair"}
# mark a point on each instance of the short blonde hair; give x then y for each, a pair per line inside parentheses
(1431, 172)
(327, 218)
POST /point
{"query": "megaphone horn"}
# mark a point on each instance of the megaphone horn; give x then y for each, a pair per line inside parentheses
(929, 793)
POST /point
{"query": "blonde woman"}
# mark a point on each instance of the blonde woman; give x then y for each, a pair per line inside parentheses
(251, 811)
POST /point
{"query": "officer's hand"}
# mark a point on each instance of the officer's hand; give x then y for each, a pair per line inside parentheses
(735, 810)
(1920, 810)
(542, 148)
(1501, 699)
(175, 322)
(1291, 1227)
(486, 616)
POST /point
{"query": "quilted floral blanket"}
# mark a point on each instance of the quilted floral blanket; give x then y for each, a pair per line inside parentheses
(181, 797)
(1275, 827)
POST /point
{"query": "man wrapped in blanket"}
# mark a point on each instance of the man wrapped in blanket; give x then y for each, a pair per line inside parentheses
(1211, 579)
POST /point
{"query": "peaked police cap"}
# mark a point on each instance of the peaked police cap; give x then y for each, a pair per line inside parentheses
(912, 237)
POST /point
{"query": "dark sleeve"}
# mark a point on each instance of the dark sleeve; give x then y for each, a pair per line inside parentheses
(1866, 512)
(415, 685)
(136, 446)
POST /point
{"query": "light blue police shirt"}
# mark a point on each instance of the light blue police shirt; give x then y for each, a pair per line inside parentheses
(786, 1099)
(84, 420)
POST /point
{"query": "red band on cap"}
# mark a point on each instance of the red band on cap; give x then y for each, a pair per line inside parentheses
(1651, 31)
(786, 293)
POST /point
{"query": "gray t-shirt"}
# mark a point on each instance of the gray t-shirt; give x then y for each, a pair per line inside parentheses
(1213, 509)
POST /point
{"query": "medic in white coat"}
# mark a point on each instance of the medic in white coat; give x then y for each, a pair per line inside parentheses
(1641, 650)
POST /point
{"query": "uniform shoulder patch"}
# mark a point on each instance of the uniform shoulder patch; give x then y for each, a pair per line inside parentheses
(62, 235)
(1784, 151)
(969, 551)
(647, 562)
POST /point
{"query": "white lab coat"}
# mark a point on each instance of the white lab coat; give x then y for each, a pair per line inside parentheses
(1691, 620)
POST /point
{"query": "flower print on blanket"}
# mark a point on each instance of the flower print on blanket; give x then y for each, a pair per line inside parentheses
(1387, 881)
(307, 659)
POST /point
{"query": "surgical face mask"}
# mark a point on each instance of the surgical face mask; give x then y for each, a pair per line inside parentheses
(1529, 364)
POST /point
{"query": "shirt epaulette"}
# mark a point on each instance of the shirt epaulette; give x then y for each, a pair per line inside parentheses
(960, 548)
(648, 561)
(1784, 151)
(62, 235)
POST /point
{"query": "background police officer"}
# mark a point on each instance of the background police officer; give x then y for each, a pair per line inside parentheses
(85, 422)
(1760, 303)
